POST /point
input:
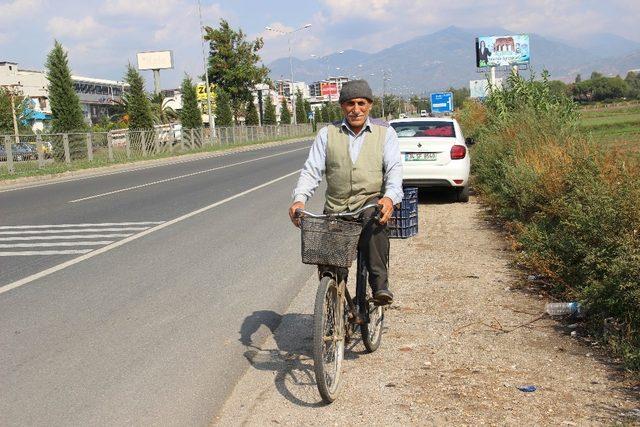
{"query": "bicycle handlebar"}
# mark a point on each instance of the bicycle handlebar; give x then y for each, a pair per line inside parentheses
(302, 212)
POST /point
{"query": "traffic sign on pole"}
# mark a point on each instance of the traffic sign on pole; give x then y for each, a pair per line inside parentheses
(441, 102)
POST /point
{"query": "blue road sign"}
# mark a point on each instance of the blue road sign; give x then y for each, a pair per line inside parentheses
(310, 115)
(442, 102)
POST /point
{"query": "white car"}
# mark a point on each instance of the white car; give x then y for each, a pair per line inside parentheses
(434, 154)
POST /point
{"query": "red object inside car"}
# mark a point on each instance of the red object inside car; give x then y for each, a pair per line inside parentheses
(445, 131)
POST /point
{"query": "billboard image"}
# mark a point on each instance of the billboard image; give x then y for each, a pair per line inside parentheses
(158, 60)
(328, 89)
(497, 51)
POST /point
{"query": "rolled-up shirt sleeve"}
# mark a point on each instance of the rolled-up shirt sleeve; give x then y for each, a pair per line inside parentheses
(313, 168)
(392, 167)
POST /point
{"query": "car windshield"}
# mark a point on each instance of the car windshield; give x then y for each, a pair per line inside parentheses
(427, 128)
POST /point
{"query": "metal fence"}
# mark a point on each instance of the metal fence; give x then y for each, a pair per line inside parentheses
(41, 150)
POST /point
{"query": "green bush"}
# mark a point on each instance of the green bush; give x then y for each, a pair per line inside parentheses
(572, 204)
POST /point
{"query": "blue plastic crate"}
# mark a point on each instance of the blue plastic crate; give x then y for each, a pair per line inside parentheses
(404, 221)
(403, 233)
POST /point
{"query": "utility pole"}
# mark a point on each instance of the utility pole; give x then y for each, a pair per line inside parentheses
(289, 35)
(212, 120)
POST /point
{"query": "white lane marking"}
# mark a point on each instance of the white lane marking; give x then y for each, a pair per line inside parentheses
(52, 244)
(65, 237)
(75, 230)
(135, 169)
(102, 224)
(119, 243)
(135, 187)
(42, 253)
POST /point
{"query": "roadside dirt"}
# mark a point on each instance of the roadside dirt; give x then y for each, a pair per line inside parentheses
(460, 339)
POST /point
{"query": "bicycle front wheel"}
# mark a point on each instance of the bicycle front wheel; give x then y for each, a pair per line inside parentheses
(371, 330)
(328, 339)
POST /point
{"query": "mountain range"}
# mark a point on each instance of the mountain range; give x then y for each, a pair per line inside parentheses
(447, 58)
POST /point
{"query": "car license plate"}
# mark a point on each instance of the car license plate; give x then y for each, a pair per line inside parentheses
(412, 157)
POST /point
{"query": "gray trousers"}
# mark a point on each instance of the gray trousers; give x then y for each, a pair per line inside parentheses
(374, 244)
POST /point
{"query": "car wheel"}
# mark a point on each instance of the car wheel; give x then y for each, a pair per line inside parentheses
(462, 194)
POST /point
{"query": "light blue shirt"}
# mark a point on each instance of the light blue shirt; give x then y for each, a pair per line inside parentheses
(314, 167)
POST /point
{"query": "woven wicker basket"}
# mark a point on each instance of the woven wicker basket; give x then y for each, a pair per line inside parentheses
(329, 241)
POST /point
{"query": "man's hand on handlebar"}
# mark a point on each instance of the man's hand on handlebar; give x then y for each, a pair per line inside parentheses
(386, 210)
(295, 219)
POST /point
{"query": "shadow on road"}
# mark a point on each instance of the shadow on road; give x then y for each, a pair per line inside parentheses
(291, 360)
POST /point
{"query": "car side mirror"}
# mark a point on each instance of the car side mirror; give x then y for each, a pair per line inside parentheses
(469, 141)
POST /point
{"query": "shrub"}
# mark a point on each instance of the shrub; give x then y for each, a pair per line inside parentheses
(573, 204)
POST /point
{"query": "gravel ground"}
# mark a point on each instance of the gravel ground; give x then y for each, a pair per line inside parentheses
(461, 337)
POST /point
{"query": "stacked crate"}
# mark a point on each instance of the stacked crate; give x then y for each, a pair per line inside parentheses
(404, 221)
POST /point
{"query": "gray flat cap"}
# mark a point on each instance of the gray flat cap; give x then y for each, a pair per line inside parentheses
(355, 89)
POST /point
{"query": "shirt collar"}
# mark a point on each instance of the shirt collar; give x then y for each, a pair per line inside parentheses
(367, 126)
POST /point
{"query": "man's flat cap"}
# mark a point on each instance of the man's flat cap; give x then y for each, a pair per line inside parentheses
(355, 89)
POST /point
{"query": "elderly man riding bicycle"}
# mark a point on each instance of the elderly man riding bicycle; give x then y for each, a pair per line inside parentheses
(361, 160)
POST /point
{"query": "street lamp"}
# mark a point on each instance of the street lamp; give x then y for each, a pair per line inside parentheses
(212, 120)
(289, 34)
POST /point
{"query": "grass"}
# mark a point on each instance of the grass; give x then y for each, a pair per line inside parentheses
(100, 160)
(616, 126)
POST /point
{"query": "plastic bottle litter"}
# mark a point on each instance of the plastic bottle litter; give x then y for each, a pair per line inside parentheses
(562, 308)
(527, 388)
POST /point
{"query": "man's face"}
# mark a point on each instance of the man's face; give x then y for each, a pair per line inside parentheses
(356, 111)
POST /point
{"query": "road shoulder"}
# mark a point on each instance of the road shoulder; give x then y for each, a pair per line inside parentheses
(460, 339)
(31, 181)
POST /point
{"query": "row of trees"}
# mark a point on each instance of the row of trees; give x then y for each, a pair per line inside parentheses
(599, 88)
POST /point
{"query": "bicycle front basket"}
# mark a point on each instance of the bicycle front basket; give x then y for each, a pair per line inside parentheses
(329, 241)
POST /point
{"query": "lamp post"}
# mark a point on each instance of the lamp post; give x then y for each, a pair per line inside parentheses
(212, 120)
(289, 34)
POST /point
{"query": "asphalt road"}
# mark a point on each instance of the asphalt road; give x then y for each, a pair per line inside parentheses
(145, 328)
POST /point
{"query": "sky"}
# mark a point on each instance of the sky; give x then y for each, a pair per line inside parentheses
(101, 37)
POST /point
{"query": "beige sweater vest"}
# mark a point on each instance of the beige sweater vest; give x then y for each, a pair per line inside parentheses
(350, 185)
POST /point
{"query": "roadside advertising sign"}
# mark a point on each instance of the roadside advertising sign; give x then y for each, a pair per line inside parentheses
(329, 89)
(497, 51)
(441, 102)
(201, 91)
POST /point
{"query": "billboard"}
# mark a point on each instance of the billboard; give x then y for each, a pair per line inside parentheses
(496, 51)
(201, 91)
(329, 89)
(158, 60)
(480, 88)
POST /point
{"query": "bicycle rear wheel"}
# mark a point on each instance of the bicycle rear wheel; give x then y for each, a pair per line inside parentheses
(371, 329)
(328, 339)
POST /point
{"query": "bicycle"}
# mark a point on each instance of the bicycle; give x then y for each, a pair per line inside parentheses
(331, 242)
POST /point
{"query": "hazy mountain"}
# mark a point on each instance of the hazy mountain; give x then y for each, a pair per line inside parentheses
(607, 45)
(447, 58)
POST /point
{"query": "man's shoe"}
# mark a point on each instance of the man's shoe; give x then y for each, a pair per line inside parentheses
(383, 297)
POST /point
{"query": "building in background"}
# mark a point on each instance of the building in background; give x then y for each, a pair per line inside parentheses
(98, 97)
(326, 90)
(283, 87)
(33, 86)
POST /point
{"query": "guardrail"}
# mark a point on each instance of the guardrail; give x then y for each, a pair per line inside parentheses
(123, 145)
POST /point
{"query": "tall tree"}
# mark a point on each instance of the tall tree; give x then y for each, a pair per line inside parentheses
(138, 105)
(252, 119)
(269, 112)
(6, 116)
(307, 107)
(325, 117)
(65, 105)
(233, 63)
(223, 109)
(190, 115)
(285, 115)
(301, 114)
